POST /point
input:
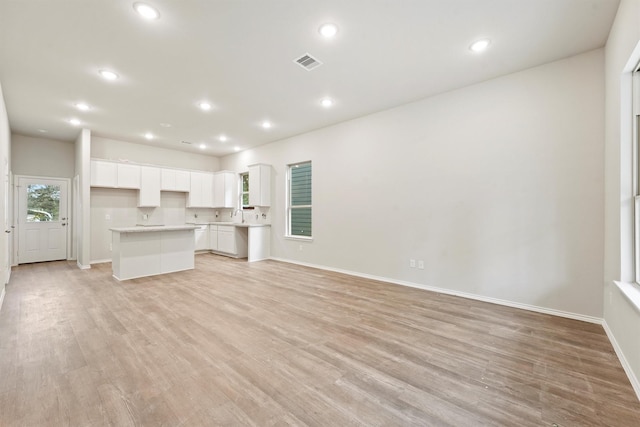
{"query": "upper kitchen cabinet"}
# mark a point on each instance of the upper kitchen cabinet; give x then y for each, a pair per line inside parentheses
(225, 190)
(149, 195)
(128, 176)
(114, 175)
(201, 190)
(104, 174)
(175, 180)
(260, 185)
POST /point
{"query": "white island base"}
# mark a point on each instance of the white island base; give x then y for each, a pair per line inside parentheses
(147, 251)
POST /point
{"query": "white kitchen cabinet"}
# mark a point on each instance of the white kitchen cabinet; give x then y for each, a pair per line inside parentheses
(202, 237)
(227, 239)
(175, 180)
(104, 174)
(149, 195)
(114, 175)
(201, 190)
(213, 237)
(128, 176)
(260, 185)
(225, 191)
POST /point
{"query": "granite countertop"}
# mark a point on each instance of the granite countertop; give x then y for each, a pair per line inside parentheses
(149, 228)
(236, 224)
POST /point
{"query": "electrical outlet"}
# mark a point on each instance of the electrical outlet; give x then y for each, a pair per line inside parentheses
(110, 246)
(300, 248)
(145, 217)
(412, 263)
(421, 264)
(107, 217)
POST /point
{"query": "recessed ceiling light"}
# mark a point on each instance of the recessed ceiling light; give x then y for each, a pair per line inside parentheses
(165, 125)
(223, 138)
(326, 102)
(480, 45)
(74, 122)
(266, 124)
(82, 106)
(328, 30)
(42, 130)
(204, 106)
(108, 75)
(146, 11)
(202, 146)
(236, 148)
(148, 135)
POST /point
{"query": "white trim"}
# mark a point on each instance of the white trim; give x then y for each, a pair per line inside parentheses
(626, 168)
(4, 291)
(623, 360)
(299, 238)
(83, 267)
(99, 261)
(631, 291)
(544, 310)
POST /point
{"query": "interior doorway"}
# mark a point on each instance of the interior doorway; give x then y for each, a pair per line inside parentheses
(42, 219)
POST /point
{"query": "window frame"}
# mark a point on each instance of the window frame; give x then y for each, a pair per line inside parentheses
(289, 208)
(635, 202)
(241, 191)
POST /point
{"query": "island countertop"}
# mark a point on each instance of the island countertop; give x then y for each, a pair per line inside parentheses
(146, 229)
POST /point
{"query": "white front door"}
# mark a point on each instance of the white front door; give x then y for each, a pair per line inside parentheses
(42, 219)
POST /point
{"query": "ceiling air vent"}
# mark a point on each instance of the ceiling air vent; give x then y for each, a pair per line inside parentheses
(186, 142)
(307, 62)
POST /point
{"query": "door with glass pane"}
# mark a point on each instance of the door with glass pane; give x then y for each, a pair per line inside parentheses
(42, 219)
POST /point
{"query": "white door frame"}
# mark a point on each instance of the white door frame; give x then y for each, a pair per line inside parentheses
(16, 212)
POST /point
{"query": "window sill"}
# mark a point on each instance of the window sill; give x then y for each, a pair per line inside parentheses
(299, 238)
(631, 291)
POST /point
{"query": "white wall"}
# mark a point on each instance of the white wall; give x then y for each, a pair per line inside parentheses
(5, 197)
(111, 149)
(622, 319)
(81, 205)
(42, 157)
(498, 187)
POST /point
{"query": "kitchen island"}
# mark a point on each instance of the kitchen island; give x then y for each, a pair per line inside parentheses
(146, 251)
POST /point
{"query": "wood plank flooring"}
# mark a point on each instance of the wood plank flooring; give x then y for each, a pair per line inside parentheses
(273, 344)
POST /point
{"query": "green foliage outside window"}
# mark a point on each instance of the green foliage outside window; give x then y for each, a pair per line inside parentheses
(43, 203)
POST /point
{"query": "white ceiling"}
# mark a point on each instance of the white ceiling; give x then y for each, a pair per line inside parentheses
(238, 54)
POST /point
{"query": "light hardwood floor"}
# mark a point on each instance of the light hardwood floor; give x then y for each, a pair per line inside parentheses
(269, 343)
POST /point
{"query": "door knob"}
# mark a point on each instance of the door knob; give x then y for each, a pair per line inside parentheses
(63, 224)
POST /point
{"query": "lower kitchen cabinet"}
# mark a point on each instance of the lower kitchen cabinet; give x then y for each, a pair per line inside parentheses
(202, 238)
(213, 237)
(227, 239)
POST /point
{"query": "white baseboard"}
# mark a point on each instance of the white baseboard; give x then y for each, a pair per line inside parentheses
(4, 291)
(544, 310)
(635, 383)
(99, 261)
(83, 267)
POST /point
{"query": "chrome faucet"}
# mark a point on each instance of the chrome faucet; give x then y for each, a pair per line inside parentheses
(241, 214)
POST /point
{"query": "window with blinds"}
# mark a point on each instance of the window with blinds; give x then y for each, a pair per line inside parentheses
(299, 209)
